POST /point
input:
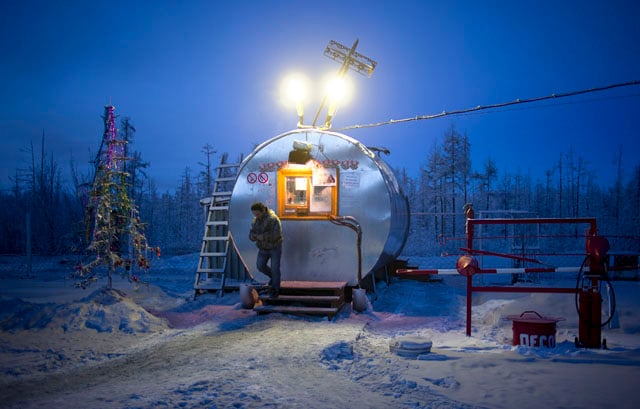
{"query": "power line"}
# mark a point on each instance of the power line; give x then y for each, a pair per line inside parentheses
(552, 104)
(491, 106)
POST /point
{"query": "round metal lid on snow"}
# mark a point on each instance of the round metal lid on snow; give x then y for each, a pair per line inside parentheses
(410, 346)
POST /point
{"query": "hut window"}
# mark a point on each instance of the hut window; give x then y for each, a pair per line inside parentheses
(296, 188)
(307, 192)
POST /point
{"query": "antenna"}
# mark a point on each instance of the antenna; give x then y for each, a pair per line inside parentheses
(349, 59)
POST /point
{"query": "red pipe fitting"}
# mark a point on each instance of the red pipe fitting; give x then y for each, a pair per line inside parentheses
(467, 265)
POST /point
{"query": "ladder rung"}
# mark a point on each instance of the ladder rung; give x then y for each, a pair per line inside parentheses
(218, 223)
(210, 270)
(214, 238)
(226, 179)
(216, 254)
(221, 193)
(228, 165)
(208, 286)
(218, 208)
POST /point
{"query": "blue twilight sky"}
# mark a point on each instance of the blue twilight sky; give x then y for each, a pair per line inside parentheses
(189, 73)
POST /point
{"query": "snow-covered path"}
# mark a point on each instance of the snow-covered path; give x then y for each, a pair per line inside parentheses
(286, 362)
(152, 348)
(295, 363)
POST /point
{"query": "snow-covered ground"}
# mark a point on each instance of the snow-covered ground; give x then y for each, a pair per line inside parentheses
(154, 346)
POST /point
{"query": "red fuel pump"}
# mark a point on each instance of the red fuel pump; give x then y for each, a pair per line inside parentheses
(589, 294)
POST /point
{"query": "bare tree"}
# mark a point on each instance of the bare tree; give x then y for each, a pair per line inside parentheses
(206, 174)
(456, 155)
(560, 184)
(44, 194)
(618, 189)
(489, 175)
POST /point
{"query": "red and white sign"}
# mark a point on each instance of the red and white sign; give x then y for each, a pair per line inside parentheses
(252, 178)
(263, 177)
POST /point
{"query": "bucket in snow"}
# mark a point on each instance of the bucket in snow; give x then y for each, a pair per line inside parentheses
(533, 330)
(248, 296)
(360, 300)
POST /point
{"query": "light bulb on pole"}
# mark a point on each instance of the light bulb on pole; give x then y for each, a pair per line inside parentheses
(338, 92)
(294, 88)
(294, 91)
(349, 59)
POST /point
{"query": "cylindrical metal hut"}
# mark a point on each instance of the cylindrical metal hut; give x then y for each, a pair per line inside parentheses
(308, 176)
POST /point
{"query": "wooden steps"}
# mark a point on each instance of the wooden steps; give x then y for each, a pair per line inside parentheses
(330, 312)
(320, 299)
(305, 298)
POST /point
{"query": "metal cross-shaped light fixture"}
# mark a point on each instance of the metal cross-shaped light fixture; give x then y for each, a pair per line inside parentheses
(349, 59)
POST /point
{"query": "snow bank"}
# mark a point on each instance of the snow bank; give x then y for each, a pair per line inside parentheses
(155, 346)
(102, 311)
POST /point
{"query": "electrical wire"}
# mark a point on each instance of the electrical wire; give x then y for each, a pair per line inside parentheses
(553, 104)
(491, 106)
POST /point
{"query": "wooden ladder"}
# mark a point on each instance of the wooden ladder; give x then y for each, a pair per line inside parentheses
(212, 266)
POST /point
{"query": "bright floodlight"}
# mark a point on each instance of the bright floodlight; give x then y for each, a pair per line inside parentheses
(339, 91)
(294, 91)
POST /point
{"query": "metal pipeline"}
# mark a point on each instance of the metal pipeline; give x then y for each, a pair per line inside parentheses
(352, 223)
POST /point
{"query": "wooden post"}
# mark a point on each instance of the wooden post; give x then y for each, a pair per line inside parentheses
(469, 301)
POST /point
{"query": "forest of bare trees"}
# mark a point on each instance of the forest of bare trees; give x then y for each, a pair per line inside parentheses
(448, 180)
(45, 215)
(39, 200)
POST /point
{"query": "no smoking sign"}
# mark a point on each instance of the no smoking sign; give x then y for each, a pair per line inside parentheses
(262, 177)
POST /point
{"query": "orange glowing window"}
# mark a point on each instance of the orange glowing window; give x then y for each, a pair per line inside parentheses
(307, 192)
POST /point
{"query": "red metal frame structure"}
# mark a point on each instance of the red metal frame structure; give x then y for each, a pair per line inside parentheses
(467, 265)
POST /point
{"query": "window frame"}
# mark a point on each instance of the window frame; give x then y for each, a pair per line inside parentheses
(303, 212)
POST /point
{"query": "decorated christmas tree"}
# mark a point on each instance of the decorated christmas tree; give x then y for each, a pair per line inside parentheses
(115, 234)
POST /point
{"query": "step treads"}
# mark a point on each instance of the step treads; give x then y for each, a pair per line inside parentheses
(303, 298)
(294, 309)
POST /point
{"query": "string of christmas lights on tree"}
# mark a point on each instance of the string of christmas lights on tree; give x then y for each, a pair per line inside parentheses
(115, 232)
